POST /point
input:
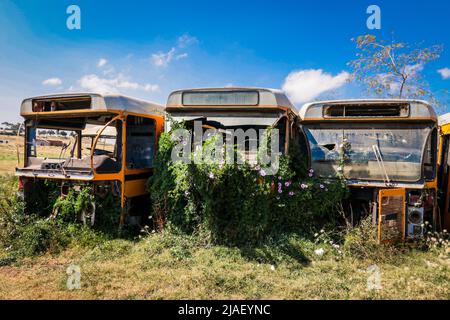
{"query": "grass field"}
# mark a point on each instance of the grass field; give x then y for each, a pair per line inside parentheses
(13, 150)
(8, 154)
(150, 269)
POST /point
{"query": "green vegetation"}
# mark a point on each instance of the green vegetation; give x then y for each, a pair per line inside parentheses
(239, 204)
(31, 235)
(311, 258)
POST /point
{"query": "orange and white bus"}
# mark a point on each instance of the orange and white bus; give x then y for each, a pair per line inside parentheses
(239, 108)
(444, 171)
(105, 141)
(386, 150)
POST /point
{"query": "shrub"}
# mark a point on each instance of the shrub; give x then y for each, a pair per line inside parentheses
(10, 209)
(33, 234)
(41, 197)
(72, 206)
(434, 240)
(39, 237)
(361, 242)
(240, 204)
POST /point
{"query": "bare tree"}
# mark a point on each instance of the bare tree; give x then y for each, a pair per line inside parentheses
(393, 69)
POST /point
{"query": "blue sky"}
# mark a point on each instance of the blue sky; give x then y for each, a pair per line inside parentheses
(149, 48)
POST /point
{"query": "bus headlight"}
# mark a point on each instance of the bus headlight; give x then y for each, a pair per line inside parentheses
(414, 220)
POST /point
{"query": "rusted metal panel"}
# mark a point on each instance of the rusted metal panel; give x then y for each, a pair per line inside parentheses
(391, 218)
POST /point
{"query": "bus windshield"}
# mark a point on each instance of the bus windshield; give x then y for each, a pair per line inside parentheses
(62, 144)
(372, 153)
(227, 124)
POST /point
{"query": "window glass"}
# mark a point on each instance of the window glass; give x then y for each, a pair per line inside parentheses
(429, 160)
(231, 98)
(140, 142)
(372, 152)
(60, 150)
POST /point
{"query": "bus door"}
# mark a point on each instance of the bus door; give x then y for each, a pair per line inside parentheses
(391, 215)
(140, 153)
(444, 183)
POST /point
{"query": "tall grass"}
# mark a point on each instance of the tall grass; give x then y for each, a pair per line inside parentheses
(29, 235)
(326, 264)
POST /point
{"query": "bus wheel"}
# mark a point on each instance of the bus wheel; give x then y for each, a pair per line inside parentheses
(87, 215)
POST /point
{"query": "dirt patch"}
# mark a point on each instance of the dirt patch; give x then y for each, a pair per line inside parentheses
(9, 272)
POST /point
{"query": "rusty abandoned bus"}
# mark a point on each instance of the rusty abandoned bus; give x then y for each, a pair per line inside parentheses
(444, 172)
(106, 142)
(233, 109)
(386, 150)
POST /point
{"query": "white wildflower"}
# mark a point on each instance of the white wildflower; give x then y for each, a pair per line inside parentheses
(319, 252)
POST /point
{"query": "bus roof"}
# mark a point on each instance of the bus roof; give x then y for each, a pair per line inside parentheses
(66, 102)
(444, 119)
(358, 109)
(229, 97)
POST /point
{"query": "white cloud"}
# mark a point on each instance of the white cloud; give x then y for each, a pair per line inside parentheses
(163, 59)
(186, 40)
(109, 70)
(445, 73)
(102, 62)
(181, 56)
(52, 82)
(94, 83)
(392, 81)
(412, 70)
(306, 85)
(150, 87)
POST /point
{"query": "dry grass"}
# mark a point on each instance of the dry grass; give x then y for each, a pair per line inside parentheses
(7, 166)
(144, 270)
(8, 154)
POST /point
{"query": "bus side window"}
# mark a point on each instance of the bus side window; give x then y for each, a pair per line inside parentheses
(108, 152)
(140, 143)
(31, 137)
(281, 126)
(430, 156)
(298, 150)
